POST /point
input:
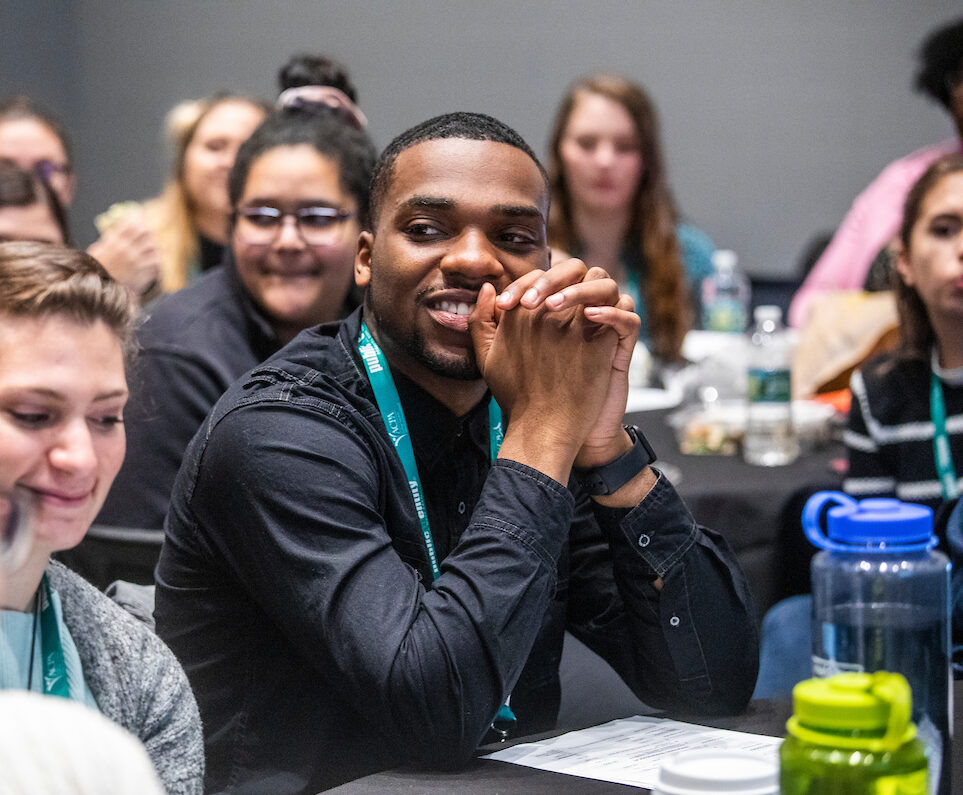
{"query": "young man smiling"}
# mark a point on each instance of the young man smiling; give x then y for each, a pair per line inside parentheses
(355, 575)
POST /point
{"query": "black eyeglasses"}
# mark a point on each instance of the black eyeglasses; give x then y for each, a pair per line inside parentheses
(16, 515)
(317, 226)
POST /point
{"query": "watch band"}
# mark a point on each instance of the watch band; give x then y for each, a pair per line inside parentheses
(612, 476)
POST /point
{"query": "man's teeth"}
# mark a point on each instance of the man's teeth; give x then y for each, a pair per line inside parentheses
(456, 308)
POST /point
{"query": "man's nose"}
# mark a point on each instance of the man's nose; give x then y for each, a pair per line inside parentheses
(472, 254)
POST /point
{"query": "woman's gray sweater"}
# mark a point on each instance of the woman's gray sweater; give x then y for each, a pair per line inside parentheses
(136, 681)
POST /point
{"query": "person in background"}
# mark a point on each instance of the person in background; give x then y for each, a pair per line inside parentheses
(299, 198)
(190, 220)
(29, 208)
(866, 240)
(38, 142)
(612, 207)
(342, 605)
(65, 330)
(903, 401)
(316, 80)
(906, 400)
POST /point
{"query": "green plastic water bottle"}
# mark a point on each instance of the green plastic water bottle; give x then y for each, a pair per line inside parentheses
(851, 734)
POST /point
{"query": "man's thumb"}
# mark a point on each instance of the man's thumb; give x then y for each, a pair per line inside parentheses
(481, 323)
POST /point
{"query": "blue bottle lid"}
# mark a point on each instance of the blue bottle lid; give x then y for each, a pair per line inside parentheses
(876, 525)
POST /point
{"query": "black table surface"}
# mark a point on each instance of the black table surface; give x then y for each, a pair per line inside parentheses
(705, 474)
(489, 776)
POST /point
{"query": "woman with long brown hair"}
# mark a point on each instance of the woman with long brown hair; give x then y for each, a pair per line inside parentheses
(612, 207)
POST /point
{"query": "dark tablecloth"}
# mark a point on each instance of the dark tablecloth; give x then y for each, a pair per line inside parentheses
(488, 776)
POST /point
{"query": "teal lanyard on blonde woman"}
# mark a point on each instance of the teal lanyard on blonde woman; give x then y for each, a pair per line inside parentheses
(941, 442)
(389, 404)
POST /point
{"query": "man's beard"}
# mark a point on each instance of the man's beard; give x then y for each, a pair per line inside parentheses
(412, 343)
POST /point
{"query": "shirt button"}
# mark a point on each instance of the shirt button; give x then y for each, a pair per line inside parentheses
(461, 508)
(674, 621)
(643, 540)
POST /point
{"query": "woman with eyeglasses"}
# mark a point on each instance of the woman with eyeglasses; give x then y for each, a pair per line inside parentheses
(29, 208)
(37, 141)
(299, 193)
(65, 331)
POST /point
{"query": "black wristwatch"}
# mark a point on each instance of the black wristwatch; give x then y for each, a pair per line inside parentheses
(614, 475)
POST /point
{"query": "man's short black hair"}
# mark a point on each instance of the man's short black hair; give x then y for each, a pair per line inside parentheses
(941, 62)
(348, 148)
(461, 124)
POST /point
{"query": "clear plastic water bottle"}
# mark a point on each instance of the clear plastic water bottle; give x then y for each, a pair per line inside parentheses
(770, 438)
(852, 734)
(725, 295)
(881, 602)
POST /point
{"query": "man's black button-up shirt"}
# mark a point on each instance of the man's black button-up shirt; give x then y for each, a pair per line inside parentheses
(294, 583)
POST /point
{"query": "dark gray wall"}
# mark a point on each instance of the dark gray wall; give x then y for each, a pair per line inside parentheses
(775, 113)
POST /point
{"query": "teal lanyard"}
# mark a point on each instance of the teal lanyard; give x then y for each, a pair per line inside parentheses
(51, 649)
(389, 404)
(941, 441)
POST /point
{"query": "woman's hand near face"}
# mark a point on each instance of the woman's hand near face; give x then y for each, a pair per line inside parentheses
(128, 251)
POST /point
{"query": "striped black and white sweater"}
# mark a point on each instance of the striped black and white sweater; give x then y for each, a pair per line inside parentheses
(890, 433)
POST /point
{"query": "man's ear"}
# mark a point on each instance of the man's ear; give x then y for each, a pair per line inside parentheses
(362, 260)
(902, 264)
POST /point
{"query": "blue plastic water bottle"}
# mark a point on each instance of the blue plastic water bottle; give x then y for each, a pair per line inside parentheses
(881, 603)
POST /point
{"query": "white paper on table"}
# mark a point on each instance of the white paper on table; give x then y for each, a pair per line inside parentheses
(630, 750)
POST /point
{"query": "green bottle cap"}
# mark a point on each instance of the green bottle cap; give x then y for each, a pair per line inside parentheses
(865, 711)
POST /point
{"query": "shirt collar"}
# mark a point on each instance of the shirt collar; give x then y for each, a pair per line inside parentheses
(949, 375)
(433, 426)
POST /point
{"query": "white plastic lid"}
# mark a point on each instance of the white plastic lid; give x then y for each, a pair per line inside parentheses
(704, 772)
(767, 312)
(724, 258)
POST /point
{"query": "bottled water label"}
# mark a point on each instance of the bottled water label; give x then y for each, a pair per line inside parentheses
(725, 314)
(769, 386)
(823, 668)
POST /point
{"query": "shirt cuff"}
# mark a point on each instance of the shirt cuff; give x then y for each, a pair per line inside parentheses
(528, 505)
(659, 530)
